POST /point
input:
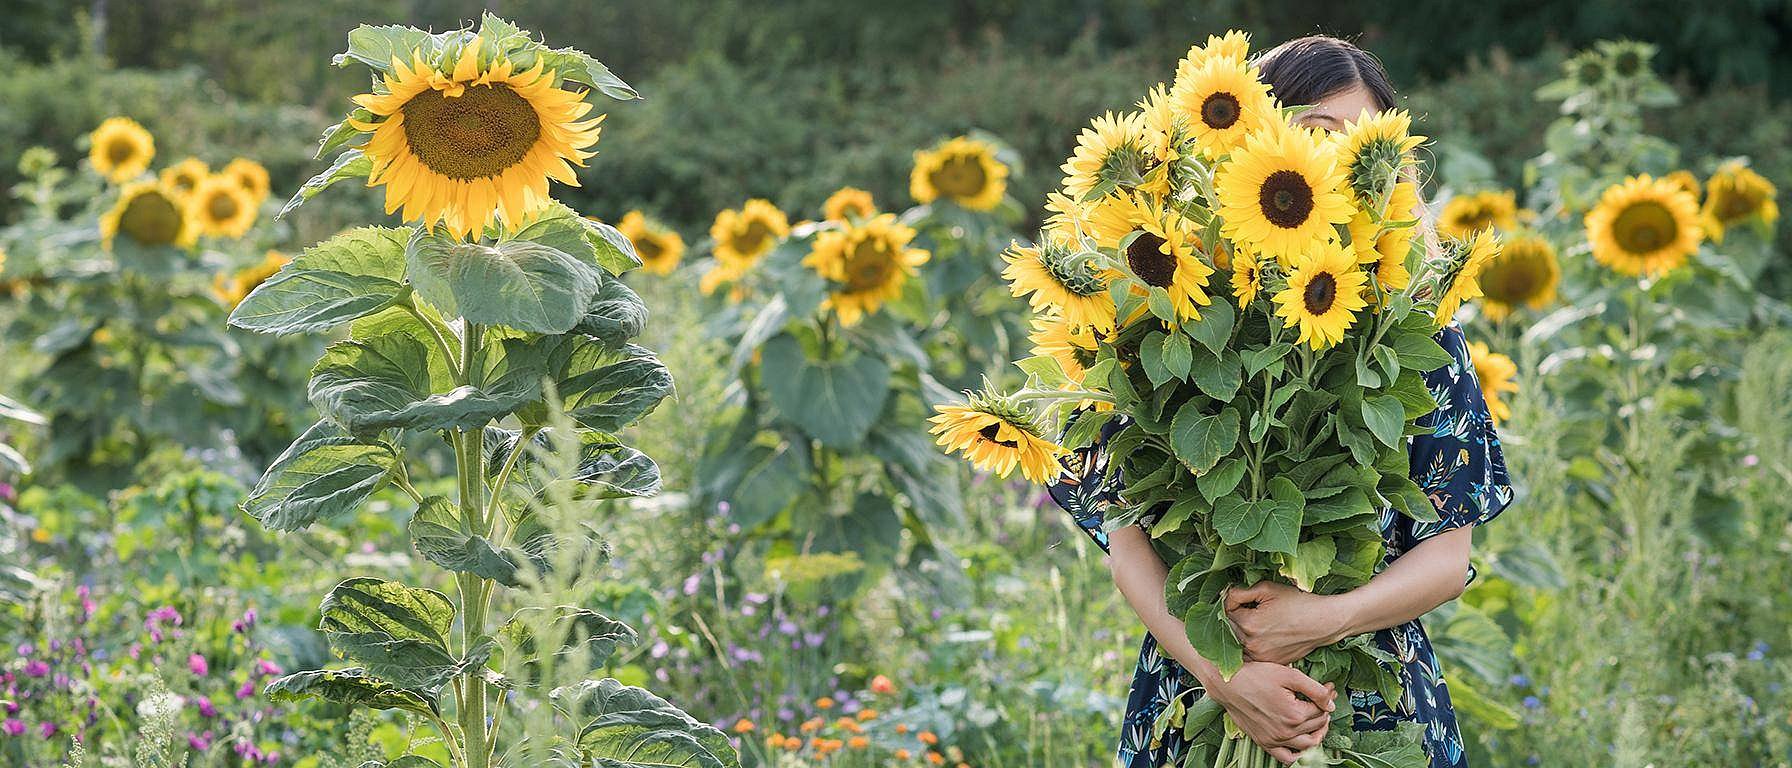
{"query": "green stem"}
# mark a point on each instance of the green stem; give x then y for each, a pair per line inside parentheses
(435, 332)
(522, 444)
(475, 593)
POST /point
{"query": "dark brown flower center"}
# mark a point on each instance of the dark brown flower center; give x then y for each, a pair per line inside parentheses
(649, 248)
(1645, 227)
(1147, 258)
(960, 176)
(221, 206)
(1220, 111)
(1474, 219)
(1286, 199)
(1736, 204)
(990, 432)
(1321, 291)
(151, 219)
(120, 150)
(868, 266)
(483, 132)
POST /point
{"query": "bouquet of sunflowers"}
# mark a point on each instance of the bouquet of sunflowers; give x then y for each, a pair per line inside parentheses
(1252, 302)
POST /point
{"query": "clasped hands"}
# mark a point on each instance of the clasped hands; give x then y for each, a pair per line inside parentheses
(1281, 709)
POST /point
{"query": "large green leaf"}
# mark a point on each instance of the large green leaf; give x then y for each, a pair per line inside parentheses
(574, 630)
(399, 632)
(351, 275)
(1201, 440)
(378, 46)
(632, 727)
(1214, 328)
(1237, 519)
(1281, 526)
(604, 388)
(1386, 418)
(395, 379)
(520, 284)
(349, 687)
(609, 469)
(436, 533)
(616, 314)
(770, 479)
(835, 401)
(323, 474)
(348, 165)
(1417, 350)
(1211, 634)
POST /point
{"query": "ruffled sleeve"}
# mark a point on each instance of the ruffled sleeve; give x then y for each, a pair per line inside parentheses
(1458, 463)
(1088, 487)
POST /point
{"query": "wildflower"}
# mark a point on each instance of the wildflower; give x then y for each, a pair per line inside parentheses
(196, 664)
(200, 742)
(824, 703)
(206, 707)
(901, 754)
(882, 685)
(928, 738)
(743, 725)
(858, 742)
(867, 714)
(13, 726)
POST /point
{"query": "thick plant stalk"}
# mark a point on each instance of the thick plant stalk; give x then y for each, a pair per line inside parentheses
(474, 591)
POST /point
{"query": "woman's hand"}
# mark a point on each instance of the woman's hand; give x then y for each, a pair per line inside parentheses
(1283, 711)
(1280, 624)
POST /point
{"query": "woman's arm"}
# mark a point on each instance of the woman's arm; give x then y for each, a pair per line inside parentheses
(1279, 623)
(1265, 700)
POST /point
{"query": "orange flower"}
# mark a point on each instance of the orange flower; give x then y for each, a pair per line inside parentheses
(867, 714)
(936, 758)
(811, 725)
(774, 741)
(902, 754)
(792, 743)
(928, 738)
(743, 725)
(882, 685)
(858, 742)
(824, 703)
(902, 727)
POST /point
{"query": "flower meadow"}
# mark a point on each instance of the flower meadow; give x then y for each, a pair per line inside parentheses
(404, 445)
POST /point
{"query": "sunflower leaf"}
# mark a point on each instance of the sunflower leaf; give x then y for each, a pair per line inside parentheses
(325, 473)
(520, 284)
(835, 401)
(352, 164)
(346, 277)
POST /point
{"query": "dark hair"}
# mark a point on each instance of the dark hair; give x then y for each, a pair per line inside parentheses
(1305, 70)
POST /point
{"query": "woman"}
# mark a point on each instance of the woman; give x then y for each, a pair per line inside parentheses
(1458, 463)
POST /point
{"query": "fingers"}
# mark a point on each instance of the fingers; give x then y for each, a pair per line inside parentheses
(1318, 724)
(1304, 741)
(1237, 597)
(1310, 688)
(1283, 755)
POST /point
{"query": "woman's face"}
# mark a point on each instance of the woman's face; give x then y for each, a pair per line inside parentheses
(1333, 111)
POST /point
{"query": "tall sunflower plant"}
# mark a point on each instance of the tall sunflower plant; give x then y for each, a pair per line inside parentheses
(108, 273)
(826, 324)
(1245, 307)
(492, 321)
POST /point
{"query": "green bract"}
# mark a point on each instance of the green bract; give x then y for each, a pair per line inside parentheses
(508, 348)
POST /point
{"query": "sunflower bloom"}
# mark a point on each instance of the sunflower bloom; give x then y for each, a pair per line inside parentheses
(184, 177)
(848, 204)
(1324, 293)
(1282, 193)
(148, 214)
(249, 175)
(867, 262)
(1222, 102)
(1465, 215)
(1074, 346)
(1495, 373)
(745, 235)
(1461, 279)
(1373, 150)
(997, 435)
(1524, 274)
(1162, 255)
(473, 140)
(121, 149)
(1114, 152)
(1247, 277)
(963, 170)
(1735, 194)
(1376, 236)
(659, 246)
(1686, 181)
(1052, 278)
(221, 207)
(1644, 226)
(1232, 47)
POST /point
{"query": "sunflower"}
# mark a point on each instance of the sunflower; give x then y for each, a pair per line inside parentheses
(1222, 102)
(121, 149)
(249, 175)
(230, 290)
(1052, 277)
(1161, 254)
(149, 214)
(1247, 277)
(1233, 47)
(1068, 218)
(1282, 192)
(868, 262)
(659, 246)
(722, 273)
(470, 139)
(221, 207)
(1373, 235)
(1461, 276)
(1525, 273)
(1736, 194)
(997, 434)
(1073, 345)
(745, 235)
(184, 177)
(1494, 372)
(1686, 181)
(848, 204)
(1114, 152)
(1325, 290)
(963, 170)
(1373, 150)
(1162, 124)
(1464, 215)
(1644, 226)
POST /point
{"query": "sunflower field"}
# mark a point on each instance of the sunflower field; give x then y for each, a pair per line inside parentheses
(427, 385)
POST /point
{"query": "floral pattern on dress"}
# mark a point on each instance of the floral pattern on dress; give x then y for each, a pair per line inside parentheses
(1458, 463)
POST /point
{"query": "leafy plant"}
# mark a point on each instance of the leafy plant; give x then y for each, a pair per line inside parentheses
(502, 344)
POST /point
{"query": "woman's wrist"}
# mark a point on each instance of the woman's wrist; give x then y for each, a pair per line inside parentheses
(1340, 615)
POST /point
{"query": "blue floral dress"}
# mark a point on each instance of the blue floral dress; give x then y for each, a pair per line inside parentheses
(1458, 464)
